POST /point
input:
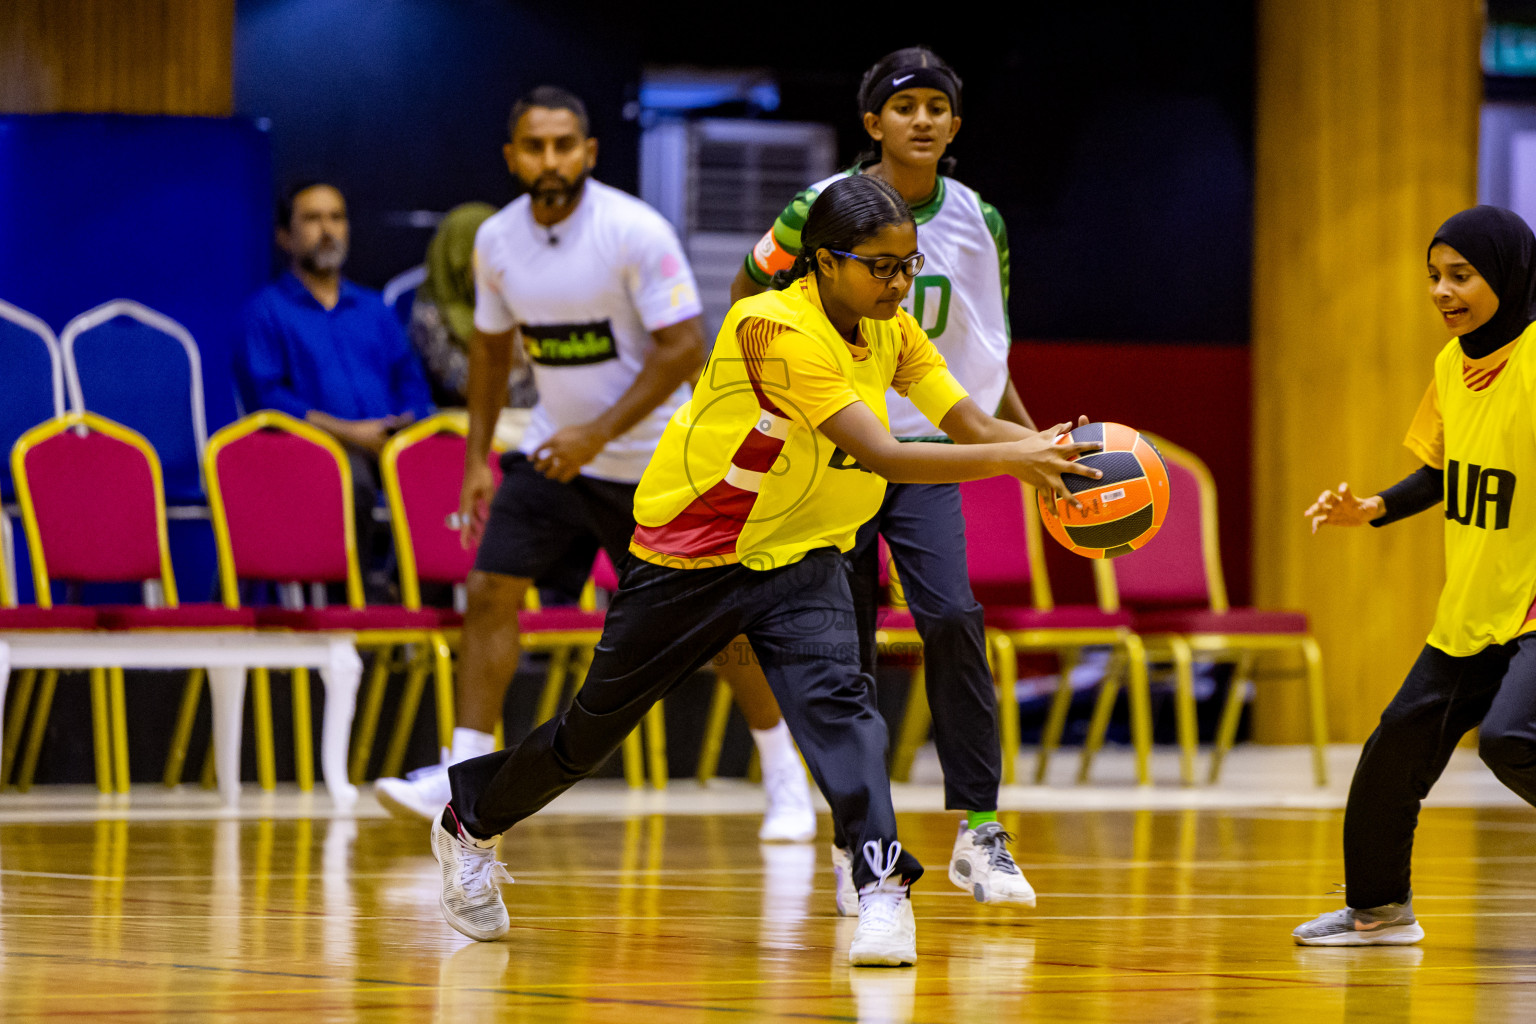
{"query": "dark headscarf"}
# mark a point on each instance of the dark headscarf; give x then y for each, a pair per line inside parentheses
(1503, 249)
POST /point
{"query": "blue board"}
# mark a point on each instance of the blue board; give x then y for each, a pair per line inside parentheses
(174, 212)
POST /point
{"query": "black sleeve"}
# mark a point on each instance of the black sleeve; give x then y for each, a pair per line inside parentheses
(1422, 489)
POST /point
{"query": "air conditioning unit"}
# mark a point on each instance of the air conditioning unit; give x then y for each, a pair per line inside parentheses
(721, 182)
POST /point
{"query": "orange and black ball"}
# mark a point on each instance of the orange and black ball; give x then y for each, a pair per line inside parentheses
(1122, 510)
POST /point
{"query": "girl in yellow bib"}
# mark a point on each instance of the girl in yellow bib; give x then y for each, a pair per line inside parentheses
(1475, 430)
(745, 514)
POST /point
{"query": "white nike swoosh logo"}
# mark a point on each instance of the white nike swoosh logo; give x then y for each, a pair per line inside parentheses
(903, 78)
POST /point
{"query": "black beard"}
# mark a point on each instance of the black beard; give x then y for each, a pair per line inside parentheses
(558, 196)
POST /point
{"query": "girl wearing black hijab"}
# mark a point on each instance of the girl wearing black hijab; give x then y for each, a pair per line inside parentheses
(1476, 432)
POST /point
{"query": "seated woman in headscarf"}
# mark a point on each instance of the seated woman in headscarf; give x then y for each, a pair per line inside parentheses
(443, 315)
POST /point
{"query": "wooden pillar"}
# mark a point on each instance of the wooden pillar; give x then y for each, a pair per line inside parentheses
(117, 56)
(1367, 127)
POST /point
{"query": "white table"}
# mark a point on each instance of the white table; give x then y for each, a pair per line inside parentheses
(227, 654)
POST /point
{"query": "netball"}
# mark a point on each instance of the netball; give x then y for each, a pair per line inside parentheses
(1122, 510)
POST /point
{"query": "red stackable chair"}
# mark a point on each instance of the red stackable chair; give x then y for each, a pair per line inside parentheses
(93, 504)
(29, 618)
(1175, 588)
(1007, 567)
(280, 492)
(423, 468)
(30, 353)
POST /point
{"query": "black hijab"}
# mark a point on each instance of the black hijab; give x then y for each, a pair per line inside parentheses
(1503, 249)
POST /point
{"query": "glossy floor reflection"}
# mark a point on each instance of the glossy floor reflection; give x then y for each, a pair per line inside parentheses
(1147, 915)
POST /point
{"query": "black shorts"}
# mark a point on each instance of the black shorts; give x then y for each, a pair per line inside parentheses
(549, 532)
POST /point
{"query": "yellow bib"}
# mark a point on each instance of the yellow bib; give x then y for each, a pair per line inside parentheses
(1490, 518)
(815, 495)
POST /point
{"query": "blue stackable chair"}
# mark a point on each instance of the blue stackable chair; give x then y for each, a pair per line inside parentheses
(400, 292)
(34, 381)
(34, 391)
(131, 364)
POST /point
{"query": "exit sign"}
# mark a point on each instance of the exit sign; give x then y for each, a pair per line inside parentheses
(1509, 50)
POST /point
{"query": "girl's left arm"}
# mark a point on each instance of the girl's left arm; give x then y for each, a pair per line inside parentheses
(967, 424)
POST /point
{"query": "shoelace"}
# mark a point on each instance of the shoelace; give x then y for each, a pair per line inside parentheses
(479, 870)
(880, 899)
(994, 843)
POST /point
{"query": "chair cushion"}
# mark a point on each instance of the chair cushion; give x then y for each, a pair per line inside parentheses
(560, 619)
(384, 616)
(449, 619)
(1237, 620)
(187, 616)
(1081, 616)
(30, 616)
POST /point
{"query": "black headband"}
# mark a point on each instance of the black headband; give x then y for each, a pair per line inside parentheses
(913, 78)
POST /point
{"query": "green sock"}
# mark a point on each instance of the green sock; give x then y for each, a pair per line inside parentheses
(976, 819)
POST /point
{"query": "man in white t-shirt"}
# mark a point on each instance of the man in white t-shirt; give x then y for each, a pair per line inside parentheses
(595, 285)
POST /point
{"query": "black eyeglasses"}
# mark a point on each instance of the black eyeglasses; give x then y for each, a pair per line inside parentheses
(883, 268)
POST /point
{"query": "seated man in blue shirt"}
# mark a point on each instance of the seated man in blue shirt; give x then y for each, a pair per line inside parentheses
(328, 351)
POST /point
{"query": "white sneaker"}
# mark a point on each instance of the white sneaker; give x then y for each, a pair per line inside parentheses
(790, 817)
(423, 793)
(842, 870)
(982, 865)
(887, 932)
(470, 898)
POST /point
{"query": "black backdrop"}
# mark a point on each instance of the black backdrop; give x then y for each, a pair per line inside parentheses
(1116, 139)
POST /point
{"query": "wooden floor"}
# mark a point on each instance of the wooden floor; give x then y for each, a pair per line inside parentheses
(1144, 915)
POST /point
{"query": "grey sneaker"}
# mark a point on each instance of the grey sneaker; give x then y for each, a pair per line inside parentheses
(1392, 924)
(982, 866)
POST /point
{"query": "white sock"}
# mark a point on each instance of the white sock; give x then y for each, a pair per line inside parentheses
(468, 743)
(775, 748)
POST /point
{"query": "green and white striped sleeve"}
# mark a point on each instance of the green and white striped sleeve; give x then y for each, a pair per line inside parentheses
(999, 232)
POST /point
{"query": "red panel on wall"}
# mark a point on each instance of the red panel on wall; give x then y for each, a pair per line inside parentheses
(1195, 395)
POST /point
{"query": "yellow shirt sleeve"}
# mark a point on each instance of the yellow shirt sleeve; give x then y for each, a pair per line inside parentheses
(813, 382)
(1426, 434)
(923, 376)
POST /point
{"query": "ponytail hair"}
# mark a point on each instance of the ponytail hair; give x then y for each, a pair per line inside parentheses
(848, 212)
(922, 67)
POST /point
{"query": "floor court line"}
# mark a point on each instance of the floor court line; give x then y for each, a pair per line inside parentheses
(647, 919)
(821, 864)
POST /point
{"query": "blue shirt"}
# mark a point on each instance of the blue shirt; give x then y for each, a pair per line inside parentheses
(352, 361)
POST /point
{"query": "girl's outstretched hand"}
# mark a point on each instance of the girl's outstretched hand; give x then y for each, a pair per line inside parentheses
(1344, 508)
(1042, 458)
